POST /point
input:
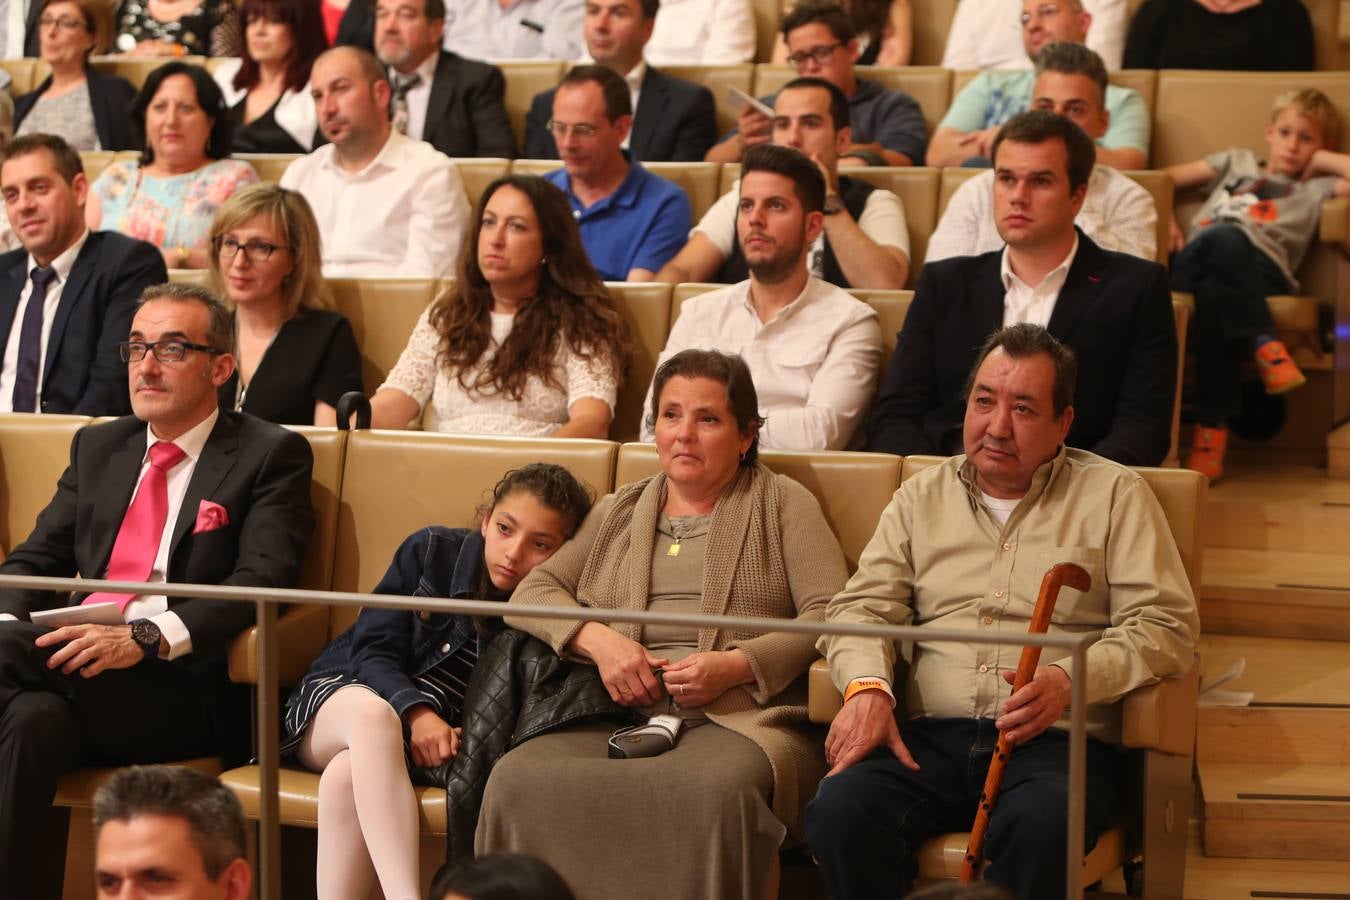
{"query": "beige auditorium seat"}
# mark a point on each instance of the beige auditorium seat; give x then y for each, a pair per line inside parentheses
(931, 86)
(137, 68)
(269, 166)
(442, 480)
(698, 180)
(383, 312)
(768, 14)
(478, 172)
(917, 188)
(1158, 723)
(21, 74)
(1142, 80)
(646, 309)
(34, 451)
(891, 307)
(1326, 22)
(524, 79)
(718, 79)
(932, 24)
(1181, 315)
(853, 488)
(95, 161)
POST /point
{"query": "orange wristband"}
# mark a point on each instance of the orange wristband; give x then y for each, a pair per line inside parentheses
(864, 684)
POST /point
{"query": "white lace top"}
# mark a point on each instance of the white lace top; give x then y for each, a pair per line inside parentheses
(541, 410)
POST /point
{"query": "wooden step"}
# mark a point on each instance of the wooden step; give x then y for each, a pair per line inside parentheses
(1276, 593)
(1282, 671)
(1277, 811)
(1292, 508)
(1289, 735)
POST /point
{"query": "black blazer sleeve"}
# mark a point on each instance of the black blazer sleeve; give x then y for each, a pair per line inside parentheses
(539, 143)
(1295, 49)
(909, 391)
(1142, 42)
(129, 266)
(357, 27)
(487, 111)
(696, 131)
(111, 98)
(340, 371)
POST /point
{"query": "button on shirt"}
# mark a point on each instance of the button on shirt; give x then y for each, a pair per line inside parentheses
(814, 363)
(403, 215)
(1024, 303)
(9, 368)
(527, 29)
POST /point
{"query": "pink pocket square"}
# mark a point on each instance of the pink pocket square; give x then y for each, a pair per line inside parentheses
(210, 516)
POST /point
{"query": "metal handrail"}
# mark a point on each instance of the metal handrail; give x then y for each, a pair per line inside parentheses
(266, 601)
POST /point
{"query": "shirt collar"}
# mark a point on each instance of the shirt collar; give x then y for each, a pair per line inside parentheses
(191, 442)
(390, 156)
(625, 194)
(63, 263)
(1040, 479)
(801, 300)
(468, 565)
(428, 68)
(1054, 278)
(635, 76)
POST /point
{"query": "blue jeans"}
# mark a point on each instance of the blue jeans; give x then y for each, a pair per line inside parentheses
(866, 823)
(1231, 280)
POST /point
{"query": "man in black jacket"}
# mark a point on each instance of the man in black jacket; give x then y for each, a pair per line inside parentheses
(673, 119)
(66, 297)
(455, 104)
(1113, 310)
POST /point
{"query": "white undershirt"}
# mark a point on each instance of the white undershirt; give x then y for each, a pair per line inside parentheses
(15, 13)
(999, 508)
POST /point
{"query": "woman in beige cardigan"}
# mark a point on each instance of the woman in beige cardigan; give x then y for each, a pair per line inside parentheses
(715, 533)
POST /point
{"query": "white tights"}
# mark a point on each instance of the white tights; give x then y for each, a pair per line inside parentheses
(367, 810)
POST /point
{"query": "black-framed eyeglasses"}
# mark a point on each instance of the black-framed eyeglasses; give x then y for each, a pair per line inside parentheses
(255, 250)
(820, 54)
(581, 130)
(65, 23)
(164, 351)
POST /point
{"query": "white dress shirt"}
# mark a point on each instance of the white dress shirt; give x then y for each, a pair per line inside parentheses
(15, 22)
(10, 367)
(882, 219)
(403, 215)
(420, 96)
(155, 607)
(987, 34)
(1118, 214)
(527, 29)
(814, 363)
(1035, 304)
(634, 79)
(702, 33)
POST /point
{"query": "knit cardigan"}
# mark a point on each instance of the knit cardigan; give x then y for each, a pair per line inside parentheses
(769, 553)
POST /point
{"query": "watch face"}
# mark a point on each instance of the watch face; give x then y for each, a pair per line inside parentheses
(146, 633)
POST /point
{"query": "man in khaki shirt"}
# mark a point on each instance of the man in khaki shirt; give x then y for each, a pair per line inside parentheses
(965, 545)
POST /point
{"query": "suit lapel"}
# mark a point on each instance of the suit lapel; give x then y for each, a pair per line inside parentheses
(218, 457)
(651, 101)
(986, 300)
(442, 92)
(1081, 287)
(11, 285)
(120, 474)
(71, 295)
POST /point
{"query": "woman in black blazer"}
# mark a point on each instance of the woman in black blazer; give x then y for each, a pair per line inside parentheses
(90, 110)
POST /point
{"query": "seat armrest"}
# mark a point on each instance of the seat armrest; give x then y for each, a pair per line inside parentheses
(301, 633)
(823, 700)
(1162, 716)
(1334, 223)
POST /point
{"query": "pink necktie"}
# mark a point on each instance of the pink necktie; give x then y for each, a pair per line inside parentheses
(137, 544)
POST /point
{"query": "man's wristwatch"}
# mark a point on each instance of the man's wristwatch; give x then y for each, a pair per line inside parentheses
(147, 634)
(834, 204)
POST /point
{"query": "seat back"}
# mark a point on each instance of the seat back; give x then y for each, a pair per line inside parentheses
(269, 166)
(21, 72)
(1143, 81)
(478, 173)
(930, 86)
(891, 307)
(524, 79)
(932, 21)
(646, 309)
(95, 161)
(719, 79)
(917, 188)
(382, 312)
(1181, 315)
(394, 482)
(853, 488)
(1326, 23)
(133, 68)
(34, 451)
(1159, 186)
(767, 13)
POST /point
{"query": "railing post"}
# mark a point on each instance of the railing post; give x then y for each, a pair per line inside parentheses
(1073, 887)
(269, 760)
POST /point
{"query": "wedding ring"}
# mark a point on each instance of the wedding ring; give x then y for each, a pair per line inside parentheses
(681, 690)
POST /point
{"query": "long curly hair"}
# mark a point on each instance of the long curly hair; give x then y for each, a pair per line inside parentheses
(571, 305)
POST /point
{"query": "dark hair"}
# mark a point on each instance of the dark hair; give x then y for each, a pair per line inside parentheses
(650, 8)
(209, 98)
(1025, 340)
(618, 100)
(791, 163)
(954, 890)
(64, 157)
(1068, 58)
(434, 10)
(501, 876)
(725, 368)
(550, 484)
(98, 21)
(839, 110)
(827, 13)
(213, 814)
(572, 305)
(307, 40)
(1038, 126)
(220, 328)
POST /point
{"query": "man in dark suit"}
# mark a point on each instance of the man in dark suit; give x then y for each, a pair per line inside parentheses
(182, 492)
(67, 297)
(1113, 310)
(454, 104)
(674, 120)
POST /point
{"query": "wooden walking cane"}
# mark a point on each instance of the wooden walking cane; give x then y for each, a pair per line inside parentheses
(1058, 576)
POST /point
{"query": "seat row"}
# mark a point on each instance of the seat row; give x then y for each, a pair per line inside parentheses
(371, 489)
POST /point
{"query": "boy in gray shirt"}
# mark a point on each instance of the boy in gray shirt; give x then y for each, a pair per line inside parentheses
(1246, 242)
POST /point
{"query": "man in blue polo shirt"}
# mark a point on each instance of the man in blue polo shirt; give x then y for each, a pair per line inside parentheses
(632, 222)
